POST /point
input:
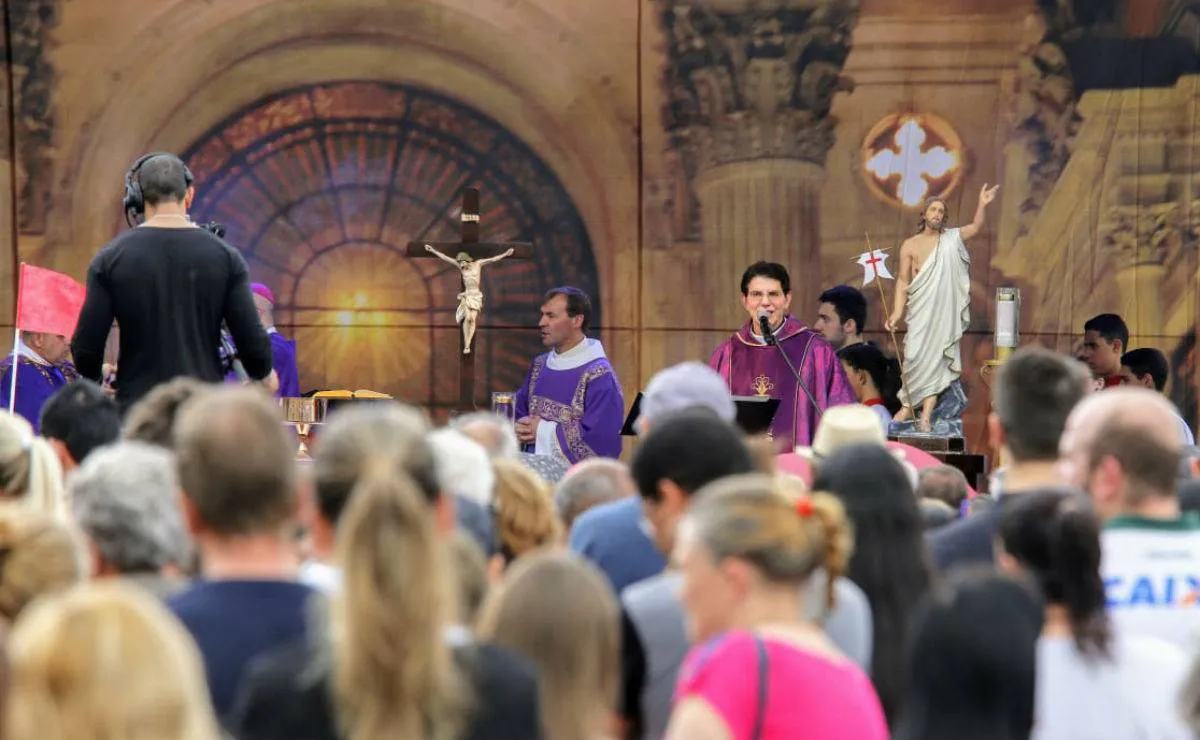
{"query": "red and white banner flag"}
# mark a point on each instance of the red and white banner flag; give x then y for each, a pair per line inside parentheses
(48, 301)
(873, 264)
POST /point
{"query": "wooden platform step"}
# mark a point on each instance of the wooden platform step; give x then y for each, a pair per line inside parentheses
(932, 443)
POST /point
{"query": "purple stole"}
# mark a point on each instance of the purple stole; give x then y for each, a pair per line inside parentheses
(35, 384)
(584, 402)
(752, 368)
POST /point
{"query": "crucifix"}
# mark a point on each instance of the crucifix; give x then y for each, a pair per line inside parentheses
(469, 257)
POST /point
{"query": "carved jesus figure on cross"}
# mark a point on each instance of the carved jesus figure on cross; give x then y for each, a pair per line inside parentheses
(470, 256)
(470, 300)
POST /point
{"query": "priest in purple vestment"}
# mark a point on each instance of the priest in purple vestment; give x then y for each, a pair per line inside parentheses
(570, 405)
(283, 350)
(752, 367)
(42, 368)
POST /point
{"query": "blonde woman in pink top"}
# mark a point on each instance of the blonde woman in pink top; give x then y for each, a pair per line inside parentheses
(759, 670)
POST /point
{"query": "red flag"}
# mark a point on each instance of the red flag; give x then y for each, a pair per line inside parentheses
(48, 301)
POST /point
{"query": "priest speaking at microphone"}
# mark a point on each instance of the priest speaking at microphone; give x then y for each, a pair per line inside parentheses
(170, 285)
(777, 356)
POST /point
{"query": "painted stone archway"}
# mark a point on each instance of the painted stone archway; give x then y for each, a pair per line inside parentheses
(322, 186)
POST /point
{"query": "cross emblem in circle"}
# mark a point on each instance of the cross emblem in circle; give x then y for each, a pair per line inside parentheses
(910, 163)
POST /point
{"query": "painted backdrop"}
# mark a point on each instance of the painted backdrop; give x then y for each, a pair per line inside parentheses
(649, 150)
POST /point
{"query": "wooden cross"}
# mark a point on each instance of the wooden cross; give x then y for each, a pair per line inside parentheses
(462, 254)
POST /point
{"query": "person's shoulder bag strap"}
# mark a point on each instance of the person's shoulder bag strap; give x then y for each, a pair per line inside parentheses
(760, 714)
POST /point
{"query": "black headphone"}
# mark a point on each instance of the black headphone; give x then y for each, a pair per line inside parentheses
(134, 203)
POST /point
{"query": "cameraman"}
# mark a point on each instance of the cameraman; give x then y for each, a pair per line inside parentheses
(169, 284)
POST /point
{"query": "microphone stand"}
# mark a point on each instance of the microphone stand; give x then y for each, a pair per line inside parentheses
(769, 338)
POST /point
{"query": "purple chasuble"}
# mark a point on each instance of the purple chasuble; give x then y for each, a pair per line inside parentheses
(752, 368)
(36, 382)
(584, 403)
(283, 358)
(283, 354)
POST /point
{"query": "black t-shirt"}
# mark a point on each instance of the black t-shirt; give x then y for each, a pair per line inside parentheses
(286, 695)
(169, 291)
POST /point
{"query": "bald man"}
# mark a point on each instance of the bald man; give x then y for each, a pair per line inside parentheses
(1122, 446)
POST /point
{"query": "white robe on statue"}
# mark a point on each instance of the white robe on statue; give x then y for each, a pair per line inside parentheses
(939, 311)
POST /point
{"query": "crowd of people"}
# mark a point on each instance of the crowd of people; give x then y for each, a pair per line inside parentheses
(172, 569)
(177, 572)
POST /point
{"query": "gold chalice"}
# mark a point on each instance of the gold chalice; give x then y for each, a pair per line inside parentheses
(303, 414)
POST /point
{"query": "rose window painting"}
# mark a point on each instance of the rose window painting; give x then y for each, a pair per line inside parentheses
(908, 157)
(322, 187)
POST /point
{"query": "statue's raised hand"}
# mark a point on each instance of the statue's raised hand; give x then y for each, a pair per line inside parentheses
(986, 194)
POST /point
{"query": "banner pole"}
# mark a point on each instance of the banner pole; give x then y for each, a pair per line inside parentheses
(12, 389)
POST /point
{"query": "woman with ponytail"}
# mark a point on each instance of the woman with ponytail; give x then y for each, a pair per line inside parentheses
(875, 378)
(386, 662)
(393, 677)
(383, 668)
(759, 670)
(1092, 684)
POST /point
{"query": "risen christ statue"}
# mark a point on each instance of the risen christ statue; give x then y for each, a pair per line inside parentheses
(935, 288)
(470, 300)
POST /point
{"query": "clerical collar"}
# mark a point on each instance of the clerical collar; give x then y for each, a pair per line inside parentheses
(577, 349)
(578, 356)
(774, 332)
(27, 351)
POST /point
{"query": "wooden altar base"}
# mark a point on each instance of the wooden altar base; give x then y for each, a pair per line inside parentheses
(974, 467)
(953, 452)
(931, 443)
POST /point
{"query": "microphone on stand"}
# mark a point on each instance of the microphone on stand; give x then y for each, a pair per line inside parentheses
(764, 323)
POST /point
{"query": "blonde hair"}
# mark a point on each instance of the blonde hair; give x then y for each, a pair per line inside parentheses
(106, 660)
(525, 515)
(38, 554)
(762, 520)
(393, 673)
(29, 468)
(559, 611)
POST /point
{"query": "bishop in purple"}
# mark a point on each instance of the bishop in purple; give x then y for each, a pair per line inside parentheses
(752, 367)
(283, 350)
(42, 368)
(570, 405)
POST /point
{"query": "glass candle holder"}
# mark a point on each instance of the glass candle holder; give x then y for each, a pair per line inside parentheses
(504, 404)
(1008, 320)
